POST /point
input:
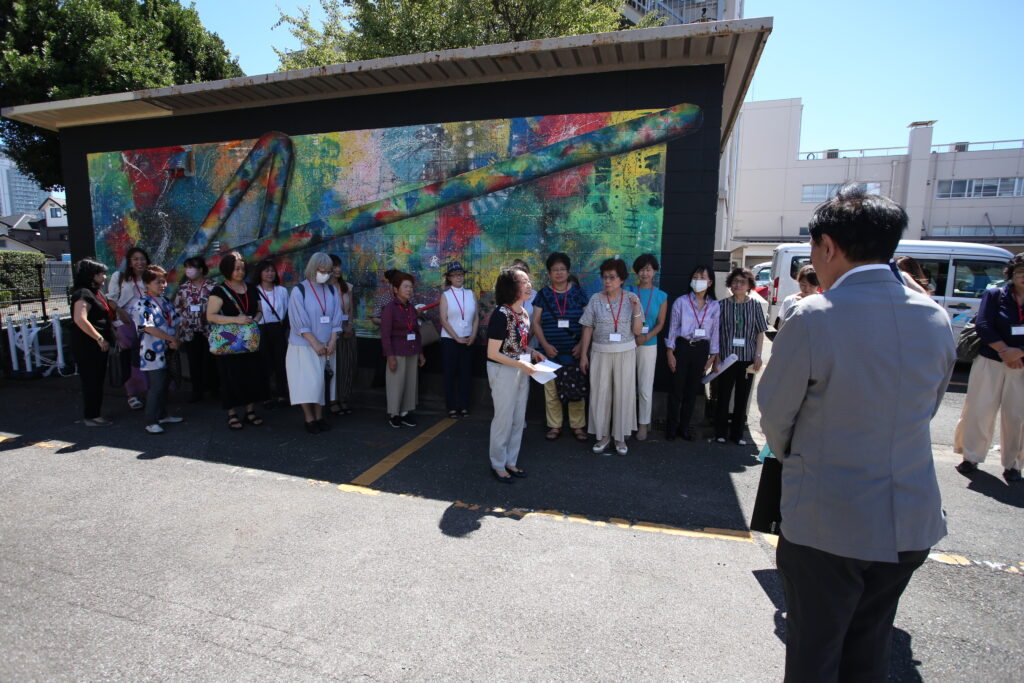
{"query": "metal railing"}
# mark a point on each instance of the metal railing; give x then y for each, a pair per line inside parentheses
(852, 153)
(977, 146)
(45, 298)
(680, 11)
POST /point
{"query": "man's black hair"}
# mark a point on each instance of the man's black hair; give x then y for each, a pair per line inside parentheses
(866, 227)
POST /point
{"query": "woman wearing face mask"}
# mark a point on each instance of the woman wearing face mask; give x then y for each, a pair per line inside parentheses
(190, 305)
(612, 320)
(125, 289)
(808, 281)
(273, 327)
(741, 332)
(655, 305)
(692, 348)
(400, 338)
(91, 336)
(243, 376)
(155, 319)
(459, 324)
(345, 355)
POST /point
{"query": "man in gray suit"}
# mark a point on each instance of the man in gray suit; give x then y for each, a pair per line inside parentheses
(855, 377)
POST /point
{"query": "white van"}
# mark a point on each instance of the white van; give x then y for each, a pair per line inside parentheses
(959, 274)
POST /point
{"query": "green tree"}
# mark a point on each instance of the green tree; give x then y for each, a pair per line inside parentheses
(369, 29)
(60, 49)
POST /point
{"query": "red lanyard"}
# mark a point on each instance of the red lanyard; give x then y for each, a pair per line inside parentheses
(700, 320)
(245, 310)
(647, 308)
(564, 306)
(167, 316)
(103, 300)
(462, 309)
(615, 316)
(323, 306)
(137, 290)
(410, 314)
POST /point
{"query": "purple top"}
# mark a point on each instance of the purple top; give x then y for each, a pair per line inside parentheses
(683, 321)
(397, 322)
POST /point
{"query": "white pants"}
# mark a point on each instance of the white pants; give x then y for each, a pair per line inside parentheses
(509, 391)
(646, 359)
(612, 394)
(992, 388)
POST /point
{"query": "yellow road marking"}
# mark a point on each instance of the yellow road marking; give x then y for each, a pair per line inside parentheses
(393, 458)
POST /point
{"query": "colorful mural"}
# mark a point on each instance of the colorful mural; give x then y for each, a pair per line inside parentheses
(414, 198)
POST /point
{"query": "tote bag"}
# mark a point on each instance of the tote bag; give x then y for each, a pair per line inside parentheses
(234, 338)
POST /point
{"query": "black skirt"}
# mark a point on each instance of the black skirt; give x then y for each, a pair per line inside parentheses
(243, 379)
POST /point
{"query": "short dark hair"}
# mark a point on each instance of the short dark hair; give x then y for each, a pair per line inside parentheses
(399, 277)
(866, 227)
(740, 271)
(129, 274)
(521, 264)
(808, 273)
(227, 264)
(197, 262)
(506, 289)
(256, 276)
(1013, 264)
(645, 260)
(558, 257)
(700, 268)
(615, 265)
(85, 271)
(152, 273)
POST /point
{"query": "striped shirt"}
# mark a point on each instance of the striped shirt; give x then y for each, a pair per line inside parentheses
(740, 321)
(554, 306)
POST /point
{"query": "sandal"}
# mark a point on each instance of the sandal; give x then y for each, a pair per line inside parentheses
(345, 410)
(233, 422)
(453, 414)
(553, 433)
(580, 434)
(464, 413)
(135, 403)
(335, 408)
(252, 418)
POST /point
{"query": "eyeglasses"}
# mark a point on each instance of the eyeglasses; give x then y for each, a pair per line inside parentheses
(610, 277)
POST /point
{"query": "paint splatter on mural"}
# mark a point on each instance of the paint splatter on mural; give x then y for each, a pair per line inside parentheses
(414, 198)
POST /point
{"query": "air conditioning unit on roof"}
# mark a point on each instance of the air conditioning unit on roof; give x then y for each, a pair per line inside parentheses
(959, 147)
(831, 153)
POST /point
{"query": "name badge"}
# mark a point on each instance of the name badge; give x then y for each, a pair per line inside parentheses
(614, 337)
(325, 319)
(524, 357)
(1017, 329)
(344, 317)
(411, 336)
(700, 333)
(195, 308)
(645, 329)
(562, 322)
(739, 341)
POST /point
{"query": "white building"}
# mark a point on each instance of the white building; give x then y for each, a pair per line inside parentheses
(55, 213)
(18, 193)
(963, 191)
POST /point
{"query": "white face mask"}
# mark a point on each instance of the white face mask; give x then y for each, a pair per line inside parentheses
(322, 278)
(698, 285)
(191, 273)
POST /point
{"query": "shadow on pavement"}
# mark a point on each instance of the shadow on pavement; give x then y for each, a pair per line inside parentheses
(996, 488)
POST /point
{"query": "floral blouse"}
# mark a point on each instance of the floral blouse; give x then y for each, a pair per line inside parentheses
(190, 306)
(156, 312)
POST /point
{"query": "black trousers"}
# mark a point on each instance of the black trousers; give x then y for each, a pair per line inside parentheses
(274, 349)
(457, 361)
(690, 362)
(839, 612)
(734, 383)
(92, 369)
(202, 369)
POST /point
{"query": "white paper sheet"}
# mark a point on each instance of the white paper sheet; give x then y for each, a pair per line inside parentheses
(726, 362)
(545, 371)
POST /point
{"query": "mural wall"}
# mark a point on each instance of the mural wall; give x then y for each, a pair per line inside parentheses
(413, 198)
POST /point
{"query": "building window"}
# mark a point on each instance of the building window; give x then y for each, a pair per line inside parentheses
(805, 231)
(820, 193)
(978, 231)
(54, 212)
(973, 278)
(979, 187)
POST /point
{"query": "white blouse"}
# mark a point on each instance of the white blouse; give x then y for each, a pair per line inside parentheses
(461, 311)
(276, 300)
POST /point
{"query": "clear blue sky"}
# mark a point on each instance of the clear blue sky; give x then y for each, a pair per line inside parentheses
(864, 71)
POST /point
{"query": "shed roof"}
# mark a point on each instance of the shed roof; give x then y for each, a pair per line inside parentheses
(736, 44)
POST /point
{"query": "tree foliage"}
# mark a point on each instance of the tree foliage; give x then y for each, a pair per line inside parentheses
(369, 29)
(60, 49)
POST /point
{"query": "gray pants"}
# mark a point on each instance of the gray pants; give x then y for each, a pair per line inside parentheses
(402, 385)
(509, 391)
(156, 398)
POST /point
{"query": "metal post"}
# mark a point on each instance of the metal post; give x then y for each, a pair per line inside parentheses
(58, 338)
(11, 339)
(42, 289)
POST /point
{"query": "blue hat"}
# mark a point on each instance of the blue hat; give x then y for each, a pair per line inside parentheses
(454, 267)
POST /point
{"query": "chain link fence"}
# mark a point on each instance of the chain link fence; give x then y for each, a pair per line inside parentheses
(46, 298)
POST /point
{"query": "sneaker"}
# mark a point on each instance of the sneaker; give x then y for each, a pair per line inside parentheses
(395, 421)
(408, 420)
(135, 403)
(97, 422)
(720, 439)
(154, 429)
(1011, 474)
(621, 448)
(967, 467)
(741, 442)
(171, 420)
(601, 445)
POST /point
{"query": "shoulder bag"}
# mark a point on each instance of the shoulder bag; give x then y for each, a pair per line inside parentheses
(968, 344)
(234, 338)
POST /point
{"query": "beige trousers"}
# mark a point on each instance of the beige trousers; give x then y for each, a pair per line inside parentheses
(402, 385)
(646, 359)
(612, 394)
(992, 388)
(553, 409)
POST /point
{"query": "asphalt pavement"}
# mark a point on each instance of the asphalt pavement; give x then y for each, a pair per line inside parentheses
(204, 554)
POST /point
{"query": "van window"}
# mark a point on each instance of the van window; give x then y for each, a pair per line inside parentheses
(937, 272)
(796, 264)
(972, 278)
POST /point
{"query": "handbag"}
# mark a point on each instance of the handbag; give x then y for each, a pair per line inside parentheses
(428, 333)
(968, 344)
(766, 516)
(115, 371)
(234, 338)
(571, 383)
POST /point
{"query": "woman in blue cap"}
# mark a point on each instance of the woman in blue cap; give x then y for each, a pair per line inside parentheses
(459, 325)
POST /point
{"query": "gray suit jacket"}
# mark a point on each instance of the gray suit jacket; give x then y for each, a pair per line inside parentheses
(855, 377)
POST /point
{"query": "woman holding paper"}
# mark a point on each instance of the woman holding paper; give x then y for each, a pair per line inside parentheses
(741, 332)
(508, 370)
(692, 348)
(612, 321)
